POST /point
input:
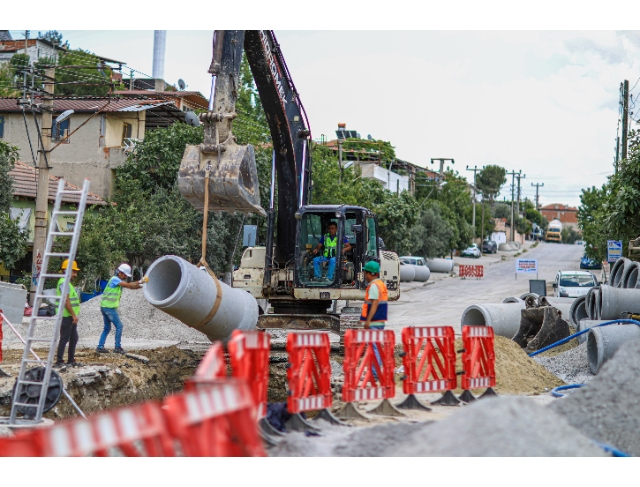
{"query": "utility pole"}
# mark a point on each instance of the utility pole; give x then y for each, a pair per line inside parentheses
(441, 161)
(513, 187)
(537, 185)
(625, 117)
(520, 176)
(42, 192)
(473, 219)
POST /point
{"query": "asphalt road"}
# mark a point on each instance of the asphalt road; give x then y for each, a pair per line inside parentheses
(444, 301)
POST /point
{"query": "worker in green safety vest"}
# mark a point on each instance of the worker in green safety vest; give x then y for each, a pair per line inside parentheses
(69, 328)
(109, 306)
(329, 242)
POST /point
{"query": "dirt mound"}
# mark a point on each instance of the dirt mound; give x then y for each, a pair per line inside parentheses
(607, 409)
(516, 372)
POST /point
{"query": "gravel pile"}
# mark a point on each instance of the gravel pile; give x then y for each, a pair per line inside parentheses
(144, 325)
(504, 427)
(571, 366)
(608, 409)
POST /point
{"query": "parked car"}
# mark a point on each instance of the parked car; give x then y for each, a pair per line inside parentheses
(572, 284)
(472, 251)
(489, 247)
(587, 263)
(579, 242)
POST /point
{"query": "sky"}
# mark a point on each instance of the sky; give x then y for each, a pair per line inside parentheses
(544, 102)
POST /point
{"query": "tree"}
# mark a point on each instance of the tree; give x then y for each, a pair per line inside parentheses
(92, 80)
(490, 180)
(13, 241)
(7, 81)
(54, 37)
(457, 208)
(590, 220)
(432, 236)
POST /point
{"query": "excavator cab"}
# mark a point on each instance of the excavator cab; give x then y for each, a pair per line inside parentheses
(333, 243)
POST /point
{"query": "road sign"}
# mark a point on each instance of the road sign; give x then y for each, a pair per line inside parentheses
(526, 266)
(614, 250)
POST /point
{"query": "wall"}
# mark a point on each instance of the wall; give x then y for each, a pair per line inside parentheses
(93, 152)
(29, 203)
(373, 171)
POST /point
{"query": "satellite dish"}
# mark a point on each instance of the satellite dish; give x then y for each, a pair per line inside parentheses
(64, 115)
(192, 119)
(181, 84)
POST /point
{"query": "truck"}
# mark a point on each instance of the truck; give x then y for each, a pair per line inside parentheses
(220, 175)
(554, 231)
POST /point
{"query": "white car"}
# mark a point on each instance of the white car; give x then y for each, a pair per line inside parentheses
(472, 251)
(572, 284)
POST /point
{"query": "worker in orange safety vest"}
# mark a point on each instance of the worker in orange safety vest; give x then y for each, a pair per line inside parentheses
(374, 309)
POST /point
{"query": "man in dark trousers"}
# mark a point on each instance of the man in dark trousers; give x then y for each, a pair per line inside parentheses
(374, 309)
(69, 328)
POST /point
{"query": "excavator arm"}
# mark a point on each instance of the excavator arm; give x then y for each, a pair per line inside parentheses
(233, 182)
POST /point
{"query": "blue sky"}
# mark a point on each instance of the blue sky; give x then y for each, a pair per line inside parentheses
(541, 101)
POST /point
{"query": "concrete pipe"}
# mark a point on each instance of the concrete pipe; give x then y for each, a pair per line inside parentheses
(603, 342)
(590, 303)
(513, 299)
(407, 273)
(422, 273)
(620, 268)
(614, 301)
(504, 318)
(440, 265)
(526, 295)
(578, 311)
(188, 293)
(586, 324)
(630, 277)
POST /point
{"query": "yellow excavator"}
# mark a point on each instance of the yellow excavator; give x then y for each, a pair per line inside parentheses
(286, 271)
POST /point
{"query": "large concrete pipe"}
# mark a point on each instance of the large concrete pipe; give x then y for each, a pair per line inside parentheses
(422, 273)
(512, 299)
(578, 311)
(504, 318)
(407, 273)
(630, 277)
(618, 271)
(586, 324)
(614, 301)
(590, 303)
(190, 294)
(440, 265)
(603, 342)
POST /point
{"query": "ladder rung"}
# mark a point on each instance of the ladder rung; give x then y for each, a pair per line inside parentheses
(32, 361)
(67, 234)
(68, 191)
(25, 404)
(52, 275)
(46, 318)
(47, 296)
(30, 382)
(65, 212)
(48, 340)
(58, 254)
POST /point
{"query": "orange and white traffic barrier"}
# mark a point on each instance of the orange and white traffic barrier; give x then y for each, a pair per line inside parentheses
(216, 420)
(367, 377)
(249, 356)
(478, 361)
(476, 271)
(212, 367)
(429, 361)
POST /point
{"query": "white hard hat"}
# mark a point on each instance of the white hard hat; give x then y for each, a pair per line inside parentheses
(125, 269)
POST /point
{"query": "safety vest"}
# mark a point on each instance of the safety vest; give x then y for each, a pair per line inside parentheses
(73, 297)
(111, 296)
(383, 296)
(330, 245)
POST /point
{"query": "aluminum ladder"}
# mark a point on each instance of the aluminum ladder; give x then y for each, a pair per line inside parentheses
(56, 320)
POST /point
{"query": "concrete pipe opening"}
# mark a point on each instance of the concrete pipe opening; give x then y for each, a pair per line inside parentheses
(602, 343)
(474, 316)
(504, 318)
(166, 279)
(631, 277)
(617, 271)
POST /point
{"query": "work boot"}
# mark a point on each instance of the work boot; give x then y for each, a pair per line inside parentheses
(101, 350)
(119, 350)
(75, 364)
(58, 365)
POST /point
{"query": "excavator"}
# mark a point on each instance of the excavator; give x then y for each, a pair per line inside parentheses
(220, 175)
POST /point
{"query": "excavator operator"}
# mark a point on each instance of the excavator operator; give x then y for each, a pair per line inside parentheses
(330, 243)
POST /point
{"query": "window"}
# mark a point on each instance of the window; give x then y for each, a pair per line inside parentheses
(60, 130)
(372, 238)
(126, 132)
(1, 126)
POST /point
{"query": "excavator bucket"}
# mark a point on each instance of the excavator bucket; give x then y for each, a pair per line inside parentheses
(233, 179)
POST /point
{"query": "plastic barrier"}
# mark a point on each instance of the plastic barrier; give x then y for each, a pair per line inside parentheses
(309, 372)
(249, 355)
(211, 367)
(215, 420)
(136, 431)
(360, 360)
(476, 271)
(429, 359)
(478, 357)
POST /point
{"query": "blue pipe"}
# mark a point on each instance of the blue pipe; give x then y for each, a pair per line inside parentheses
(555, 393)
(609, 449)
(565, 340)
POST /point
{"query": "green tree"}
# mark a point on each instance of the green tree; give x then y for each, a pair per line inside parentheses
(7, 81)
(92, 79)
(432, 235)
(54, 37)
(13, 241)
(490, 180)
(590, 221)
(457, 208)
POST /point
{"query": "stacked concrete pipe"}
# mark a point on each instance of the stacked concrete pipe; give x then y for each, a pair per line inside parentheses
(586, 324)
(630, 278)
(188, 293)
(578, 311)
(604, 341)
(591, 303)
(440, 265)
(615, 301)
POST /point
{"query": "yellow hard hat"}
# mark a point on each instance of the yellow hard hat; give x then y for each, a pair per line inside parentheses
(65, 264)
